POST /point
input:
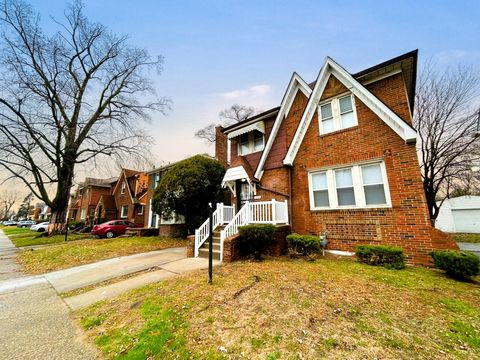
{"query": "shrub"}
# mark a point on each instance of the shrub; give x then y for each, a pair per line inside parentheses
(390, 257)
(457, 264)
(305, 244)
(256, 238)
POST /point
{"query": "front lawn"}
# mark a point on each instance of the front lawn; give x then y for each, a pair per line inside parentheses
(282, 309)
(26, 237)
(86, 251)
(467, 238)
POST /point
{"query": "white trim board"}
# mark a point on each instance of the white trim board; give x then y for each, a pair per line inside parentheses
(330, 67)
(295, 84)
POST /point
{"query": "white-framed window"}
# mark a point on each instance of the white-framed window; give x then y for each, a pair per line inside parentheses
(155, 180)
(350, 187)
(83, 214)
(124, 185)
(337, 114)
(140, 210)
(251, 142)
(124, 212)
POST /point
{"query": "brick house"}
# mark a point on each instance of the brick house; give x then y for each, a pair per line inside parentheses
(86, 198)
(340, 155)
(126, 199)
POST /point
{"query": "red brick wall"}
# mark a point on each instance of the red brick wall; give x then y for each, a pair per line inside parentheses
(406, 224)
(221, 144)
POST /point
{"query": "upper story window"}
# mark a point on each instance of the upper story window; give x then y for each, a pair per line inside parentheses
(124, 185)
(357, 186)
(337, 114)
(155, 180)
(250, 142)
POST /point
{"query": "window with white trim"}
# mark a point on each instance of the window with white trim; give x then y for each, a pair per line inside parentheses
(124, 185)
(250, 142)
(356, 186)
(83, 214)
(337, 114)
(140, 210)
(124, 212)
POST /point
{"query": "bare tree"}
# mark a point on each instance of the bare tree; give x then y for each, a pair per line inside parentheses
(66, 98)
(230, 116)
(446, 119)
(7, 200)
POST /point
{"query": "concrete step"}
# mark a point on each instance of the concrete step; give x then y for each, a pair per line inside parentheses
(203, 253)
(215, 246)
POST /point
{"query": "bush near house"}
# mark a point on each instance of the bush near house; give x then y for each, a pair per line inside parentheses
(457, 264)
(390, 257)
(304, 244)
(72, 225)
(254, 239)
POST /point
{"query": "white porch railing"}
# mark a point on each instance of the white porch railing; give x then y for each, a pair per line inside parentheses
(223, 214)
(262, 212)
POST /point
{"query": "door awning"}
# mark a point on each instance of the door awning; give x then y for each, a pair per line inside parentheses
(235, 173)
(259, 126)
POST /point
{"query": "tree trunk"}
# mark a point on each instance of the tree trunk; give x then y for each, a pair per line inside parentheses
(60, 203)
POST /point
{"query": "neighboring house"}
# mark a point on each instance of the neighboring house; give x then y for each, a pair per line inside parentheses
(86, 198)
(338, 155)
(459, 215)
(167, 227)
(129, 194)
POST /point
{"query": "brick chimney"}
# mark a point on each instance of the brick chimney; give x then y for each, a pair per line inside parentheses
(221, 146)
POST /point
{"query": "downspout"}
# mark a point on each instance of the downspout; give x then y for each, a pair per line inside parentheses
(290, 207)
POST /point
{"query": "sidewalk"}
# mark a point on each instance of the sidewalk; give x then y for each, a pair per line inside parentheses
(9, 268)
(36, 323)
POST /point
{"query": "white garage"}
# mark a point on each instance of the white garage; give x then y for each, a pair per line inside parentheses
(460, 215)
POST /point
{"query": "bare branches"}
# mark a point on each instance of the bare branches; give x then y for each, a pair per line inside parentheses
(230, 116)
(446, 119)
(7, 200)
(69, 97)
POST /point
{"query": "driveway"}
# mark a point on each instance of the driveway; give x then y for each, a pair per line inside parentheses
(475, 248)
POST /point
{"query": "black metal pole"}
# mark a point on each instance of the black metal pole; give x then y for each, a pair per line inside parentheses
(210, 244)
(66, 227)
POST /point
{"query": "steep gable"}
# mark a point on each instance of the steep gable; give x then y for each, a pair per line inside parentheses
(402, 128)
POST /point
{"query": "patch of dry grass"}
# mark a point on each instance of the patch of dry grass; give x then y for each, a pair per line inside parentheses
(81, 252)
(281, 309)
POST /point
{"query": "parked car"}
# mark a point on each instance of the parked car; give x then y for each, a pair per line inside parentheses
(9, 223)
(25, 223)
(112, 228)
(42, 227)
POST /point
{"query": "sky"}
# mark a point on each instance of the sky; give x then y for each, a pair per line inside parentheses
(218, 53)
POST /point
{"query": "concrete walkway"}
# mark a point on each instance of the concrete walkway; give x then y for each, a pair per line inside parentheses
(84, 275)
(475, 248)
(166, 271)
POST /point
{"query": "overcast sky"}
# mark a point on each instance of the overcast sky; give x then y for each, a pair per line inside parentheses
(222, 52)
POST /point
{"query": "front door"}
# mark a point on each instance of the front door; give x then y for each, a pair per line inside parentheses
(244, 193)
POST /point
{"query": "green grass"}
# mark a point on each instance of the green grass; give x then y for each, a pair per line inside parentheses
(79, 252)
(354, 311)
(26, 237)
(468, 238)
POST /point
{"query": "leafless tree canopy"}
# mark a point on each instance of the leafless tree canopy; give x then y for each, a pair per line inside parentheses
(232, 115)
(7, 200)
(68, 97)
(446, 117)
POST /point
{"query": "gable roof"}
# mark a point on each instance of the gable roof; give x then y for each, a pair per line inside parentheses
(330, 67)
(295, 84)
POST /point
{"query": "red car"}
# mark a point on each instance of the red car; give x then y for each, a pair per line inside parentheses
(112, 228)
